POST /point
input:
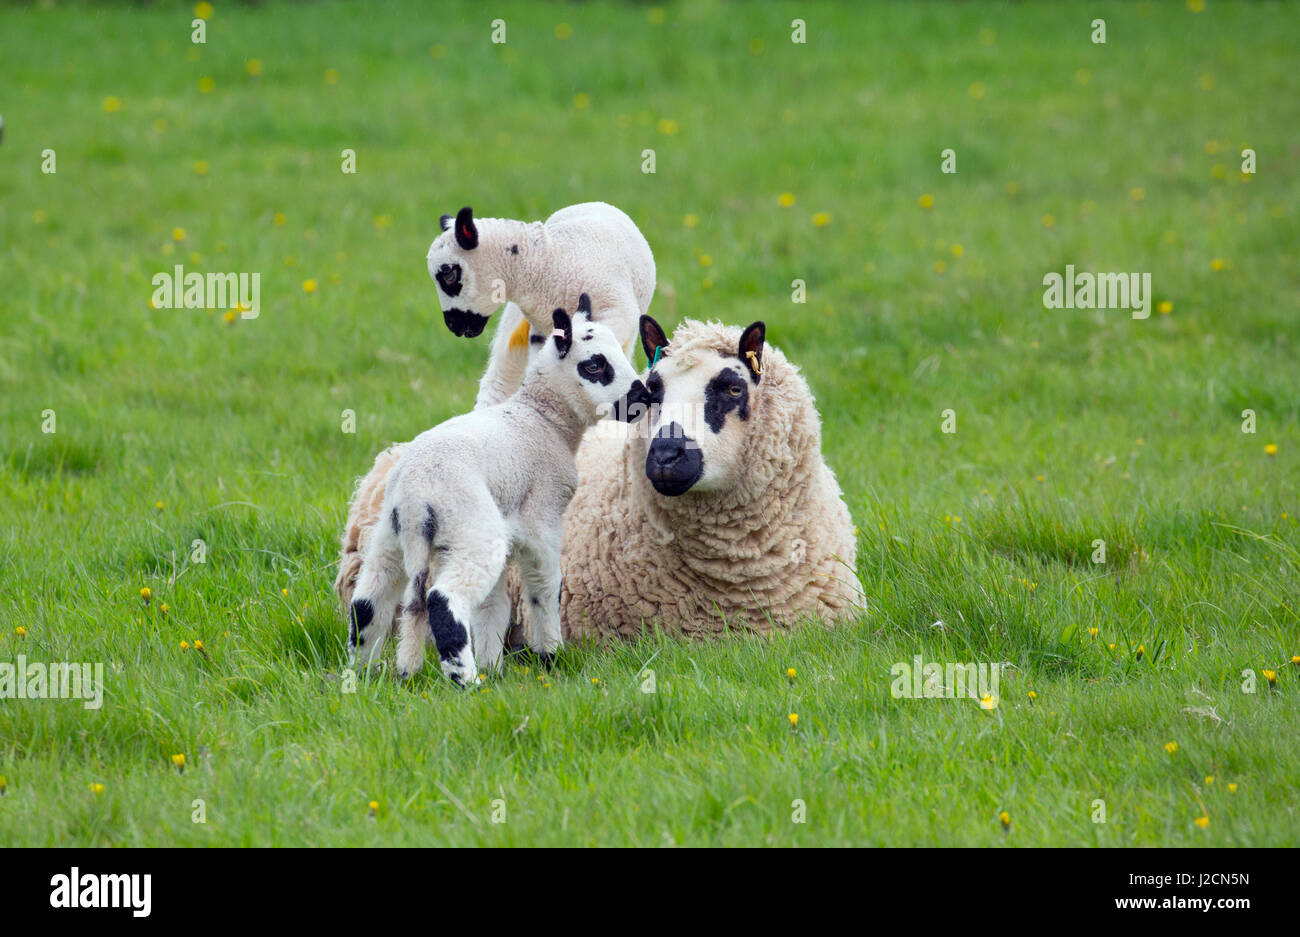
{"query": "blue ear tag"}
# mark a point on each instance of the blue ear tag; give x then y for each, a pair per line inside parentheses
(658, 351)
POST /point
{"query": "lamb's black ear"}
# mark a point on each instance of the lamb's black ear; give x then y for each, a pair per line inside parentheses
(751, 348)
(563, 333)
(652, 338)
(466, 233)
(445, 221)
(584, 305)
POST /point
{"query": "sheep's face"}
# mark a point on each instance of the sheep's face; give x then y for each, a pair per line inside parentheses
(466, 302)
(700, 410)
(600, 379)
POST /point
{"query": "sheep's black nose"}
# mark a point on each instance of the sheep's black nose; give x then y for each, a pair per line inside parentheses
(674, 462)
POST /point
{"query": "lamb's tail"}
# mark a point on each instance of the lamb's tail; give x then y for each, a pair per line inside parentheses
(363, 511)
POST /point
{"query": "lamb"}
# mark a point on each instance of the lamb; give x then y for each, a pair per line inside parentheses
(483, 488)
(719, 512)
(478, 264)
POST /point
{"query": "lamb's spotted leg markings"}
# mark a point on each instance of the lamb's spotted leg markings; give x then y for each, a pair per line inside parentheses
(416, 553)
(374, 600)
(410, 646)
(451, 635)
(467, 575)
(359, 620)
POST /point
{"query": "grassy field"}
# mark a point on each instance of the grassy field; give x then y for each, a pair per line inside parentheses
(775, 161)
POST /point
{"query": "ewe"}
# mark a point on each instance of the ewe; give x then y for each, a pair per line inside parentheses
(535, 267)
(719, 512)
(472, 493)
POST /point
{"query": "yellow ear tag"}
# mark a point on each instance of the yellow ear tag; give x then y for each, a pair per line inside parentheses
(753, 362)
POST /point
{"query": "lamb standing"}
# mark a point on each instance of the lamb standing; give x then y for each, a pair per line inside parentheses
(472, 492)
(591, 248)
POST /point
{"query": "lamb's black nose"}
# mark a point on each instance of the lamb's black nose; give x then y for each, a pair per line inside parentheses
(634, 404)
(463, 323)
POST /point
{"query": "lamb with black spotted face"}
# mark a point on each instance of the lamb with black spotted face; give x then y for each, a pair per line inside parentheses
(478, 264)
(700, 409)
(479, 490)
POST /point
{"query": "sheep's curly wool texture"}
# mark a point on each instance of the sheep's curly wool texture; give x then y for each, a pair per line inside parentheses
(776, 549)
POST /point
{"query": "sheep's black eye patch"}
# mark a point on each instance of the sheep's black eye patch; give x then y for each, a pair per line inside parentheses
(597, 370)
(448, 277)
(726, 392)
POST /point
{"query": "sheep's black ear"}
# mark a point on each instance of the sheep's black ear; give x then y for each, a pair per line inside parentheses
(584, 305)
(445, 221)
(751, 348)
(563, 333)
(652, 338)
(466, 233)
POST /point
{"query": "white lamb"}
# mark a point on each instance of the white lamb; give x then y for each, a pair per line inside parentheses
(535, 267)
(484, 487)
(717, 513)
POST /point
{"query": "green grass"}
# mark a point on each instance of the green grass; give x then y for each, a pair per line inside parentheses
(1072, 425)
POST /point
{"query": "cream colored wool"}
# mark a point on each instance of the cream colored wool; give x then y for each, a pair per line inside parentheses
(775, 549)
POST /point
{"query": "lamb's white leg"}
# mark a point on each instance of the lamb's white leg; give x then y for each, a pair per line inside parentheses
(491, 622)
(412, 629)
(507, 360)
(417, 551)
(374, 600)
(539, 568)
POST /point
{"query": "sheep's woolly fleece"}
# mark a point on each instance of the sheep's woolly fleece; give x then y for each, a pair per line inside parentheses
(775, 550)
